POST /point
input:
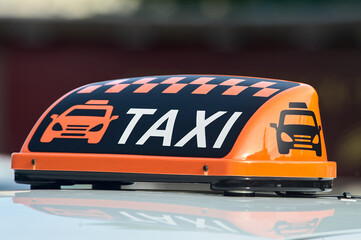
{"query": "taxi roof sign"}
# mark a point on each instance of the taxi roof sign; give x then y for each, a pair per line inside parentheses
(234, 132)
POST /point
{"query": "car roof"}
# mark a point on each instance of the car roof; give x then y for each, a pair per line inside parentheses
(151, 214)
(170, 212)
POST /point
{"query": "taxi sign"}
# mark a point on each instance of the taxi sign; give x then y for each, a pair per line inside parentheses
(236, 133)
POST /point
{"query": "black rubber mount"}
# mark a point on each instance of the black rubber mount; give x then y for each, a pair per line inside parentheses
(230, 184)
(239, 193)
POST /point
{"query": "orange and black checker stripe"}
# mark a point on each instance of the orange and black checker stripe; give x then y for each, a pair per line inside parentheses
(175, 84)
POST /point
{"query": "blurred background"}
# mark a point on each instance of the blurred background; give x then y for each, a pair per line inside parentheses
(49, 47)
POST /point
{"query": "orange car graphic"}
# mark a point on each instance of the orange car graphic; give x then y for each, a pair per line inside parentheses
(88, 121)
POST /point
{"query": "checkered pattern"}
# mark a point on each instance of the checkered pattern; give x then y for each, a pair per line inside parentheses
(203, 83)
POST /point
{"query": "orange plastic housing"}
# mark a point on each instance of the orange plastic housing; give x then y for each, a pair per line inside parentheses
(266, 129)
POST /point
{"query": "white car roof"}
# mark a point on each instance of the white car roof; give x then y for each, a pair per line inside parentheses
(150, 214)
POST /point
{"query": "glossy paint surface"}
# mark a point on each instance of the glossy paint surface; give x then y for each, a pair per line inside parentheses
(90, 214)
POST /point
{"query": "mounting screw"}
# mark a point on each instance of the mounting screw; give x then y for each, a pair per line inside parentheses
(205, 168)
(33, 162)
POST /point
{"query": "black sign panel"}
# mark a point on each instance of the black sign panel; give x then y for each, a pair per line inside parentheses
(183, 115)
